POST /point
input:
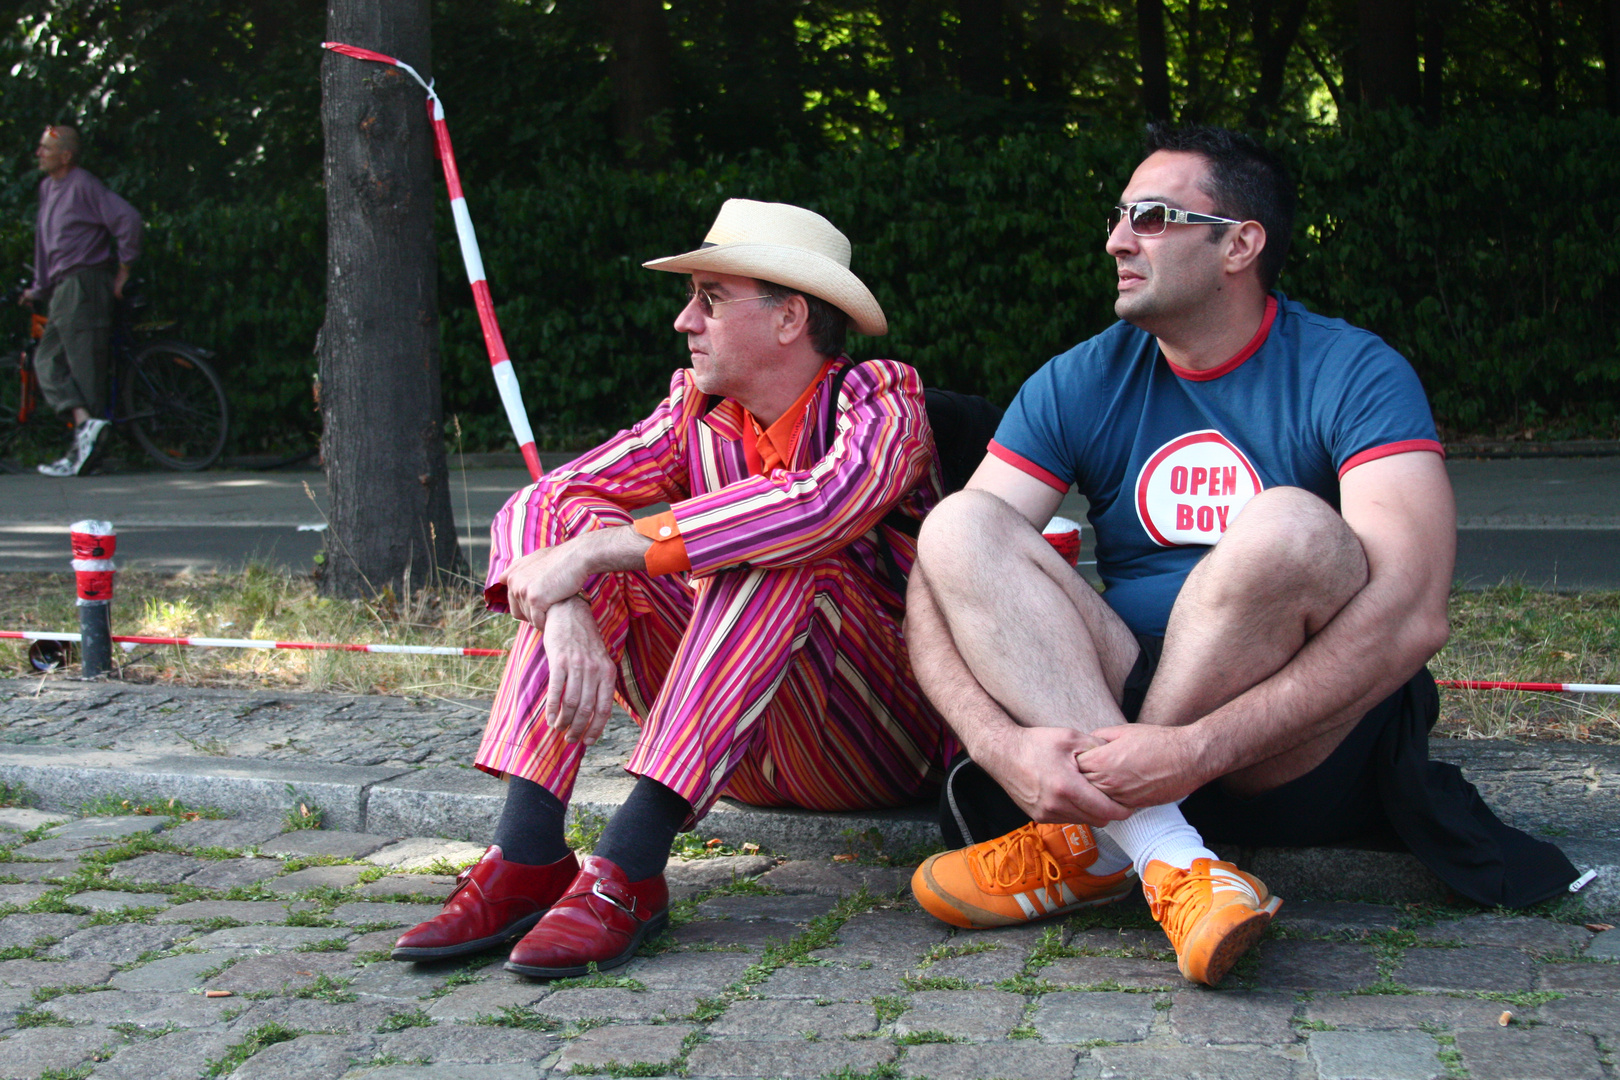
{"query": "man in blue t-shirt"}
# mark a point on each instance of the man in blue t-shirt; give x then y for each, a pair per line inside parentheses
(1276, 532)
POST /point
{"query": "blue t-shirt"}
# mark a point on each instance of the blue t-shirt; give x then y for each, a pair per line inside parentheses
(1167, 457)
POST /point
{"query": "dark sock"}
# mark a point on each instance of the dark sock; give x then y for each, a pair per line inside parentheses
(638, 836)
(531, 826)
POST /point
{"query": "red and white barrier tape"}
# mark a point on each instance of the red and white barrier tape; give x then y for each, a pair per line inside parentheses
(252, 643)
(505, 378)
(450, 650)
(1545, 687)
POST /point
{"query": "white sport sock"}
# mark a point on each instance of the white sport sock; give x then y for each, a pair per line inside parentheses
(1111, 858)
(1159, 832)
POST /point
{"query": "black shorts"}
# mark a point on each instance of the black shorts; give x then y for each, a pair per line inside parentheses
(1336, 802)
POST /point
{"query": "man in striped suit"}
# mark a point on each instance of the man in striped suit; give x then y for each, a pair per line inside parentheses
(752, 629)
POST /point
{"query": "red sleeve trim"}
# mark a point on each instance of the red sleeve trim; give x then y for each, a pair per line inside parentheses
(1405, 446)
(1247, 351)
(1023, 464)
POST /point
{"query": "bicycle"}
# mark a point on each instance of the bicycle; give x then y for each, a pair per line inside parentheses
(164, 392)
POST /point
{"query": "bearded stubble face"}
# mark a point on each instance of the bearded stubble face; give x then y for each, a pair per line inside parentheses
(1169, 276)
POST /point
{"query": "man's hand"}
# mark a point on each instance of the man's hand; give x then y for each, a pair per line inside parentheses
(120, 279)
(540, 579)
(551, 575)
(1038, 768)
(1139, 765)
(579, 696)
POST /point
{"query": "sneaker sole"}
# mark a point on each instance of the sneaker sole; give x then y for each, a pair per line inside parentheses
(946, 908)
(652, 926)
(1238, 940)
(467, 948)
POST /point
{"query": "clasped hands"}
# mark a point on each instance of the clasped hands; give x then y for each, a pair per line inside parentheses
(1062, 775)
(543, 589)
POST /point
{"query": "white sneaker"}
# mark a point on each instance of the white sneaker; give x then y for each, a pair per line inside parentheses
(84, 444)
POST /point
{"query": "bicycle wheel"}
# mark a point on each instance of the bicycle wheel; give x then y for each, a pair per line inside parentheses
(175, 406)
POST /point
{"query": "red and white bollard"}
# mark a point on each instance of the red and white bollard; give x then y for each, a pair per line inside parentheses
(93, 545)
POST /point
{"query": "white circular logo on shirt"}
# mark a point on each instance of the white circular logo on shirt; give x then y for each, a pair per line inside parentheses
(1191, 489)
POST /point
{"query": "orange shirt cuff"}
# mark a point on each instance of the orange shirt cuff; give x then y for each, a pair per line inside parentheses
(668, 552)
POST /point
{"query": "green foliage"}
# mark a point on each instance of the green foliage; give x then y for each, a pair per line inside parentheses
(16, 795)
(1485, 249)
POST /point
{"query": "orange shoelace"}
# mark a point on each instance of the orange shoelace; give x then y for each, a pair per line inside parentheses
(1017, 859)
(1171, 910)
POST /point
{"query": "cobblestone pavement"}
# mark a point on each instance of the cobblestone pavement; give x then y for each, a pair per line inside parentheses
(373, 730)
(143, 948)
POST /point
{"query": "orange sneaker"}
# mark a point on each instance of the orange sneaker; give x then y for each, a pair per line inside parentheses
(1032, 873)
(1211, 914)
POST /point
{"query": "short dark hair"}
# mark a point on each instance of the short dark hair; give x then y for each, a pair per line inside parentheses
(828, 325)
(1246, 181)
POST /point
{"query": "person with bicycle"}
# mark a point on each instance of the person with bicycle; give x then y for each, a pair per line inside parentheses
(85, 239)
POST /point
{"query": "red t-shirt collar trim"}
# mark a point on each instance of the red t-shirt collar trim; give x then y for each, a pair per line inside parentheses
(1247, 351)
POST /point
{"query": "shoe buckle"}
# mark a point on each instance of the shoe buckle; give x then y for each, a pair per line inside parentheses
(597, 890)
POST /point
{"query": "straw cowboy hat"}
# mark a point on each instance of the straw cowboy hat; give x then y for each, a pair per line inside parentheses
(787, 245)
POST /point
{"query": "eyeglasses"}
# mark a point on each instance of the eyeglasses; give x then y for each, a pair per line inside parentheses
(1152, 218)
(707, 303)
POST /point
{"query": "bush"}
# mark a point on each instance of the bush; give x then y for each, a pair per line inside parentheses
(1486, 250)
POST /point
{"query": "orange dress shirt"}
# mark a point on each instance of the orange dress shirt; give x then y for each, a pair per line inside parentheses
(769, 453)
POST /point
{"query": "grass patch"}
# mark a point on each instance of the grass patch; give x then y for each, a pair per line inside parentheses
(260, 1037)
(121, 806)
(266, 602)
(1516, 634)
(335, 944)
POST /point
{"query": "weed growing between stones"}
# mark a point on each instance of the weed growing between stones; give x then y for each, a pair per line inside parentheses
(597, 980)
(889, 1009)
(584, 829)
(79, 1072)
(918, 1038)
(888, 1070)
(325, 945)
(614, 1069)
(31, 1018)
(400, 1021)
(42, 994)
(948, 951)
(516, 1016)
(260, 1037)
(16, 795)
(934, 982)
(302, 814)
(124, 804)
(326, 988)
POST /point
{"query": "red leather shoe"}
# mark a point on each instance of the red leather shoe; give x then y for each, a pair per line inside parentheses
(495, 902)
(602, 919)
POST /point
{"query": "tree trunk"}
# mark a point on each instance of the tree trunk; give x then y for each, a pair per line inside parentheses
(1151, 54)
(382, 443)
(1611, 53)
(1275, 42)
(1436, 14)
(639, 67)
(981, 48)
(1388, 53)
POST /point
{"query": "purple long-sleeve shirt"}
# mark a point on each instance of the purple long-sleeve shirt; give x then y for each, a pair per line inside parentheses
(81, 223)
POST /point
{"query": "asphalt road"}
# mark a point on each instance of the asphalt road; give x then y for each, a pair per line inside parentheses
(1553, 523)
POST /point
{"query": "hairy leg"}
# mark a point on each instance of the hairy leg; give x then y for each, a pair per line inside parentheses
(997, 601)
(1284, 569)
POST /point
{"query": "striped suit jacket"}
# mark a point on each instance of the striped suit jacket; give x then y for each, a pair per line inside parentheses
(830, 498)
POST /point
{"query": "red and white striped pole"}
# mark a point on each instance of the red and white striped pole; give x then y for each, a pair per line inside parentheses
(94, 543)
(505, 378)
(1541, 687)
